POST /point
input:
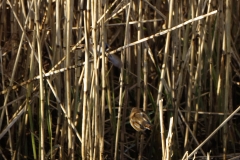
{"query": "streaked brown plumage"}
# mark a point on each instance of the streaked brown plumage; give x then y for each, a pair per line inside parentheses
(139, 120)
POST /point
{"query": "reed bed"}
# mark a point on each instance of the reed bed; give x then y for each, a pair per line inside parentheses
(71, 71)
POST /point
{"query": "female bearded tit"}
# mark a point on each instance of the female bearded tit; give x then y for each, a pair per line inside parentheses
(139, 120)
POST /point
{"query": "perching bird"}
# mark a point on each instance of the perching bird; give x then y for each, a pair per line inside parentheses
(139, 120)
(115, 60)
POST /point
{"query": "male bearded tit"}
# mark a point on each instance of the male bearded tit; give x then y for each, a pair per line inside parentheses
(115, 60)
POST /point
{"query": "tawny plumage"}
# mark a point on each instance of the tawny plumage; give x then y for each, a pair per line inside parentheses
(139, 120)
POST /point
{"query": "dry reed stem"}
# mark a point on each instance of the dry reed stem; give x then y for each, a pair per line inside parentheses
(80, 104)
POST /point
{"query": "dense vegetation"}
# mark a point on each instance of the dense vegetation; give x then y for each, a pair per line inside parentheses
(62, 97)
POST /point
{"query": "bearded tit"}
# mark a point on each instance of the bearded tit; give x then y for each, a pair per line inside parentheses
(139, 120)
(115, 60)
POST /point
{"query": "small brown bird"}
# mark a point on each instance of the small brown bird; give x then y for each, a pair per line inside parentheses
(139, 120)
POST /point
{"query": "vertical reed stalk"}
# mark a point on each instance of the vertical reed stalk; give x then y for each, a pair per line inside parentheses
(86, 88)
(162, 128)
(164, 66)
(69, 5)
(139, 52)
(41, 99)
(228, 50)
